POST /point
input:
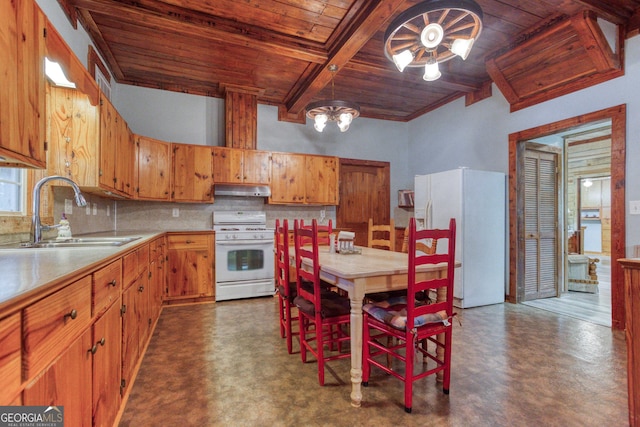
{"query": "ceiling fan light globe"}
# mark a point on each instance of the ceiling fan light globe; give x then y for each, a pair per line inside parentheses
(403, 59)
(462, 47)
(431, 71)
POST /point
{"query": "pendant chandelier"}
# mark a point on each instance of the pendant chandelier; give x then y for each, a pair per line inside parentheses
(342, 112)
(432, 32)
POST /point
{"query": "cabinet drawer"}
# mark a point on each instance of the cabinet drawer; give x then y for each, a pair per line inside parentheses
(107, 285)
(200, 241)
(51, 324)
(9, 358)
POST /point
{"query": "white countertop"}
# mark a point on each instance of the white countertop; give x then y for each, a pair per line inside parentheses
(24, 272)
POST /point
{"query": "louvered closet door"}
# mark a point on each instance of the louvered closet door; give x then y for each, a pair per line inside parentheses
(540, 223)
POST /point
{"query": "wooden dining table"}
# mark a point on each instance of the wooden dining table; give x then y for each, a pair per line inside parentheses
(373, 270)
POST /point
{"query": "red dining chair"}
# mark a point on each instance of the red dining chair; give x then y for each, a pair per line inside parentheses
(323, 314)
(285, 287)
(324, 233)
(411, 321)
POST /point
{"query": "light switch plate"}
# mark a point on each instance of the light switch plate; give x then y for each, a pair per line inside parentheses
(634, 207)
(176, 212)
(95, 209)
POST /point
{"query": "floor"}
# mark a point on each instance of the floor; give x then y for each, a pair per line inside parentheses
(224, 364)
(592, 307)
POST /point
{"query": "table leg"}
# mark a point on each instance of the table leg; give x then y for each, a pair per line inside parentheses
(356, 295)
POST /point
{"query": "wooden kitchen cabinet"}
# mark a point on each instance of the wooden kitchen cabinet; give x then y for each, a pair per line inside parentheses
(304, 179)
(153, 168)
(106, 368)
(234, 165)
(192, 173)
(10, 360)
(73, 134)
(190, 267)
(321, 180)
(116, 151)
(74, 392)
(22, 92)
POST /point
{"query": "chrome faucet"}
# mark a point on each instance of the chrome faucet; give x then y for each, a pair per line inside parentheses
(36, 225)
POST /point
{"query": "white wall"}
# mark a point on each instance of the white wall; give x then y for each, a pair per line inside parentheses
(478, 136)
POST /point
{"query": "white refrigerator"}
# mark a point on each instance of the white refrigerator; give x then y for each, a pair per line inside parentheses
(477, 200)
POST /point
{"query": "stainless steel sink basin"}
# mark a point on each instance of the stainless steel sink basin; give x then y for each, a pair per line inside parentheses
(80, 242)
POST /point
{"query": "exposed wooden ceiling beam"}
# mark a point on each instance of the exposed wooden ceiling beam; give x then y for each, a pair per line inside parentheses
(370, 20)
(609, 10)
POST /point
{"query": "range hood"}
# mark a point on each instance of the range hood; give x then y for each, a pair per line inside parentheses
(241, 190)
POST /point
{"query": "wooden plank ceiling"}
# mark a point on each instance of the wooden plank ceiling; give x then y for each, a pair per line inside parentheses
(281, 49)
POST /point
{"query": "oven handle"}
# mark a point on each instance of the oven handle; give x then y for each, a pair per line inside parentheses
(244, 242)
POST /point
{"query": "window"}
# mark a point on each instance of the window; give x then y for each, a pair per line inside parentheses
(12, 191)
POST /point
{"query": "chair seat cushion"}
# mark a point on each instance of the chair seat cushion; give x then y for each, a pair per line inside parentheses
(393, 312)
(292, 288)
(332, 303)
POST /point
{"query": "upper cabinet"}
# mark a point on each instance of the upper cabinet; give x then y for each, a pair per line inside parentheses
(73, 133)
(232, 165)
(303, 178)
(192, 173)
(116, 151)
(22, 92)
(153, 168)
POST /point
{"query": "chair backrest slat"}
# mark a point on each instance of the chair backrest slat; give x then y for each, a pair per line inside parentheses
(307, 264)
(376, 233)
(418, 260)
(282, 256)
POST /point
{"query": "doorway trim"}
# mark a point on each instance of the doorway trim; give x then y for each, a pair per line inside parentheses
(517, 141)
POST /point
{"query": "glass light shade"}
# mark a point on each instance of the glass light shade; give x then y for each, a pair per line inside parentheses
(462, 47)
(432, 35)
(320, 122)
(587, 183)
(53, 70)
(431, 71)
(344, 121)
(403, 59)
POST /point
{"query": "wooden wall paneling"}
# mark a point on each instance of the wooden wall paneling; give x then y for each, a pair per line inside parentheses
(241, 118)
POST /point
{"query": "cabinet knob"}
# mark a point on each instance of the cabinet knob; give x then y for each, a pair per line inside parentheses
(93, 349)
(72, 314)
(141, 288)
(113, 283)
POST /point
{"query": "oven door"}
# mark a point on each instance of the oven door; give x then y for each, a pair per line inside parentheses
(241, 261)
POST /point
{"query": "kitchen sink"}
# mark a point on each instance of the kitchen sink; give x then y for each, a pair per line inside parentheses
(80, 242)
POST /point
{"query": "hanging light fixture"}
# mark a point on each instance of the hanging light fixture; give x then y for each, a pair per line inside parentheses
(342, 112)
(432, 32)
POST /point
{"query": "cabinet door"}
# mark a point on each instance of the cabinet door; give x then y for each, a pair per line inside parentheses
(22, 92)
(125, 158)
(142, 307)
(154, 168)
(321, 180)
(192, 173)
(66, 383)
(107, 339)
(257, 167)
(227, 165)
(190, 266)
(73, 135)
(108, 141)
(130, 340)
(10, 366)
(287, 178)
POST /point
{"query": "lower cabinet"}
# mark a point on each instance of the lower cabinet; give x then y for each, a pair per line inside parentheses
(190, 267)
(79, 347)
(105, 350)
(67, 383)
(10, 360)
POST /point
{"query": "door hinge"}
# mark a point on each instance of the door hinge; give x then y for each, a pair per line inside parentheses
(123, 310)
(44, 32)
(46, 146)
(123, 384)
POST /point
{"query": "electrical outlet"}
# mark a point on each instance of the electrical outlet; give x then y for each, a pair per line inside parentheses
(88, 209)
(323, 214)
(108, 210)
(68, 207)
(176, 212)
(634, 207)
(95, 209)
